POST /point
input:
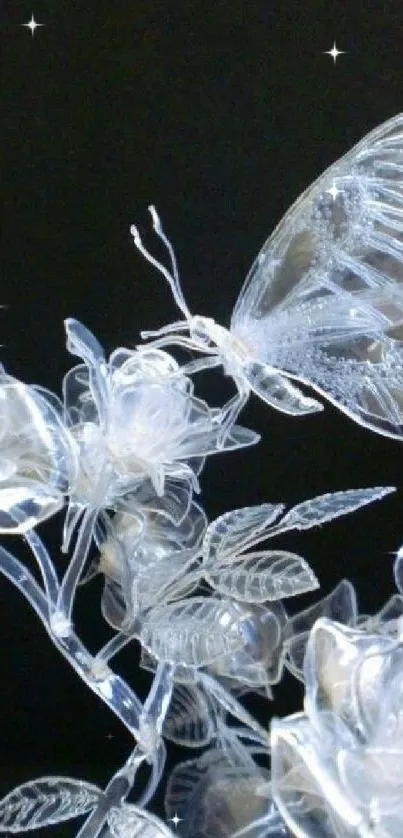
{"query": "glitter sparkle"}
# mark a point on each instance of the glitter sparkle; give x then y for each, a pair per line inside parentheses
(333, 191)
(175, 820)
(334, 52)
(32, 25)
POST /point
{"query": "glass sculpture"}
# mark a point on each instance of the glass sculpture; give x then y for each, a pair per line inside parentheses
(120, 455)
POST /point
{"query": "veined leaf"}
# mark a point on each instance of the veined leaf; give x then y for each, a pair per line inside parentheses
(46, 801)
(229, 533)
(162, 579)
(324, 508)
(264, 576)
(194, 632)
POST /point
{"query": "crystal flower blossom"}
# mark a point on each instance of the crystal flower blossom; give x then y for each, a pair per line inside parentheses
(135, 418)
(145, 554)
(37, 458)
(337, 768)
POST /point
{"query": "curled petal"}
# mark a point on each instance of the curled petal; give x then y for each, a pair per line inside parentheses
(37, 456)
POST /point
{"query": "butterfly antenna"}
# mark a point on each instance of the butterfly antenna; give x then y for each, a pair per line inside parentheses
(171, 277)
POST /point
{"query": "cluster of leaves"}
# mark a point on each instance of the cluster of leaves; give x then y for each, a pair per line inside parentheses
(123, 453)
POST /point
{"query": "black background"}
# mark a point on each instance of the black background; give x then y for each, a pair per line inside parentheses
(220, 114)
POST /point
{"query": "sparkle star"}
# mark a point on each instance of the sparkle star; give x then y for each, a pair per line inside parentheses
(333, 191)
(32, 25)
(175, 820)
(334, 52)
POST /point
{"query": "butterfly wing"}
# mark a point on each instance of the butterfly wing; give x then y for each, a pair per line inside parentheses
(277, 391)
(323, 302)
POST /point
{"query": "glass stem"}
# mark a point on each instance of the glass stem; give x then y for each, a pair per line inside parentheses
(73, 573)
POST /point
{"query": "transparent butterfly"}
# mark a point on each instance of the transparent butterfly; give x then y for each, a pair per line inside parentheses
(323, 302)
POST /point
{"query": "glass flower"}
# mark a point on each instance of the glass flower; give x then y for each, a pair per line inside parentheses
(147, 552)
(37, 456)
(224, 794)
(135, 419)
(338, 767)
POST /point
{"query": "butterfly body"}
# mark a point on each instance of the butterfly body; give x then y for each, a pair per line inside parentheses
(233, 351)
